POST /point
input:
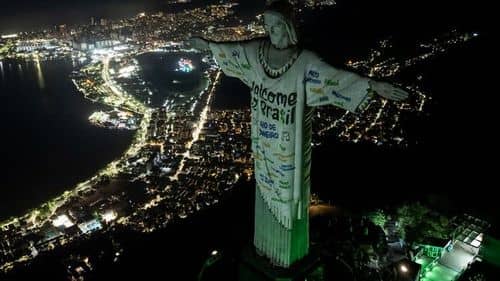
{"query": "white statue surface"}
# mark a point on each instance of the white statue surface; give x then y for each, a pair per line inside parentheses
(286, 83)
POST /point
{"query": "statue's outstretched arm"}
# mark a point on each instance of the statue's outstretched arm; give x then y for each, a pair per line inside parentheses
(231, 57)
(325, 84)
(202, 44)
(388, 91)
(198, 43)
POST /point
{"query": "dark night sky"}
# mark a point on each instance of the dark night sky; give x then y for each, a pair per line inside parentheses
(26, 14)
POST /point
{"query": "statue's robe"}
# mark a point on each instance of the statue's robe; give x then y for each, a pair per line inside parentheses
(281, 110)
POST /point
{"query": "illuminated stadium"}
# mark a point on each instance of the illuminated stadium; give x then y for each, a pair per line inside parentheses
(185, 65)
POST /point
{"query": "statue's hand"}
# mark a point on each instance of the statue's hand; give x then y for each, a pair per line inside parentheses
(388, 91)
(198, 43)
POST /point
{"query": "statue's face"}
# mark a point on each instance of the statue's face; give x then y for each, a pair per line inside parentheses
(276, 28)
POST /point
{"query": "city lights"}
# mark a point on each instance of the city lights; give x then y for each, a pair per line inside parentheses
(9, 36)
(62, 220)
(179, 153)
(109, 216)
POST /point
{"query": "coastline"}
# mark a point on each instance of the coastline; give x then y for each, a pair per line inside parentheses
(109, 170)
(44, 215)
(51, 145)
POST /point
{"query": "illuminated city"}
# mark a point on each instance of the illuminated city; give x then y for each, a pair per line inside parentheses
(185, 157)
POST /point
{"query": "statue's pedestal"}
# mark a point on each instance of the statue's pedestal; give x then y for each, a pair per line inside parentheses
(253, 267)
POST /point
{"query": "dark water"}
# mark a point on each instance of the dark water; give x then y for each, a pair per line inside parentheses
(158, 70)
(47, 143)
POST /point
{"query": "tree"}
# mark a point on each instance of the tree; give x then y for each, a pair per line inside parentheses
(416, 222)
(378, 217)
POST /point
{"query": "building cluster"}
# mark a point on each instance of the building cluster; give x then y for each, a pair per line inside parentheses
(88, 44)
(216, 162)
(314, 3)
(234, 33)
(24, 240)
(381, 123)
(34, 49)
(143, 30)
(157, 29)
(387, 61)
(97, 82)
(114, 119)
(88, 82)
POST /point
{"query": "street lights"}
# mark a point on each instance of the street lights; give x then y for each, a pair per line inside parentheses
(213, 258)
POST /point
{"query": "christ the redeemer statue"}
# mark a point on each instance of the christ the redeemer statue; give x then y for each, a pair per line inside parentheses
(286, 83)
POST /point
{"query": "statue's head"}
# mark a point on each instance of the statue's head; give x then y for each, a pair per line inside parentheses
(279, 24)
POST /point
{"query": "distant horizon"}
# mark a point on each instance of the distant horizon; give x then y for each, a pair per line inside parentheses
(30, 15)
(80, 12)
